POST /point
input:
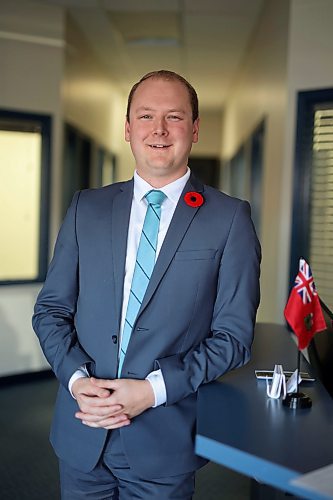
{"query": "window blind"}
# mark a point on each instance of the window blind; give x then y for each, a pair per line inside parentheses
(321, 203)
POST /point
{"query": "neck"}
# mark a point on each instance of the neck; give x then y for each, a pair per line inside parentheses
(160, 182)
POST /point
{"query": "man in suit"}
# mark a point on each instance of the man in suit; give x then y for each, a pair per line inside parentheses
(125, 415)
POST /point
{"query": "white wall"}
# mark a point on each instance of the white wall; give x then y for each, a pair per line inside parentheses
(310, 67)
(210, 134)
(93, 102)
(20, 351)
(260, 92)
(31, 61)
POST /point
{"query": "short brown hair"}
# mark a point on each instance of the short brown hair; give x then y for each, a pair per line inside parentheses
(164, 74)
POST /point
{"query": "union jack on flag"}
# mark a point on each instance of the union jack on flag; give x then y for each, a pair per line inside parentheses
(304, 283)
(303, 310)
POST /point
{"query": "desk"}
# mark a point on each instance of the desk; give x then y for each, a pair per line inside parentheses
(241, 428)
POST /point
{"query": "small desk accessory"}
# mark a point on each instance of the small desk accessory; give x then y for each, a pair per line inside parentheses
(278, 385)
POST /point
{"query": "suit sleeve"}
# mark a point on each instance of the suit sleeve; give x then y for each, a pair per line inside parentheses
(53, 319)
(228, 344)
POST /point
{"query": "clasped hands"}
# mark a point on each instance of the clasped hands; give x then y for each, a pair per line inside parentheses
(111, 404)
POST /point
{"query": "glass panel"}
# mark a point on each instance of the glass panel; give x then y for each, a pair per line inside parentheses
(20, 177)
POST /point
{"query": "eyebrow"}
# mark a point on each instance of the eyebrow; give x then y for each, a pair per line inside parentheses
(146, 108)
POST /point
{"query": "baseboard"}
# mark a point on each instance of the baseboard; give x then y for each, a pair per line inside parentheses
(21, 378)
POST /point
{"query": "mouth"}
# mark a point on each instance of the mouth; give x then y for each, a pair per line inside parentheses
(159, 146)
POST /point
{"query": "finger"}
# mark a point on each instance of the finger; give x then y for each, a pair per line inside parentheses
(95, 402)
(101, 422)
(93, 391)
(106, 420)
(117, 426)
(109, 423)
(95, 419)
(104, 383)
(84, 386)
(109, 411)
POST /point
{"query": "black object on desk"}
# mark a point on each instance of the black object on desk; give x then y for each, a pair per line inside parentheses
(241, 428)
(321, 351)
(297, 400)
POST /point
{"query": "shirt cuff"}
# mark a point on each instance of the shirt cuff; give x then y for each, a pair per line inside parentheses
(82, 372)
(158, 385)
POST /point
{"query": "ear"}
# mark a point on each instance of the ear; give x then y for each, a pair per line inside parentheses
(127, 131)
(195, 137)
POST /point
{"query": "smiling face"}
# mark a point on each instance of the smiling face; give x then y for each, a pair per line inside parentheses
(160, 130)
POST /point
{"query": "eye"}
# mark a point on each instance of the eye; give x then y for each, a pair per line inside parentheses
(174, 118)
(145, 117)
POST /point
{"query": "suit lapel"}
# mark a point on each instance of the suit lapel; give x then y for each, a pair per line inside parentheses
(121, 210)
(179, 225)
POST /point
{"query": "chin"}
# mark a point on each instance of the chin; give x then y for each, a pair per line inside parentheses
(160, 168)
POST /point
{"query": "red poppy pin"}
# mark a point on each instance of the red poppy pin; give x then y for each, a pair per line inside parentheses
(193, 199)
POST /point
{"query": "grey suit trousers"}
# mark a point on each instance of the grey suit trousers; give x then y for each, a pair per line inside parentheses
(113, 479)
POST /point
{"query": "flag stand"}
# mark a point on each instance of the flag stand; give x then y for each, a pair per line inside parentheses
(297, 400)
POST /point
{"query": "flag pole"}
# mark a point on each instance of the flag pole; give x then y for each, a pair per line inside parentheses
(298, 368)
(297, 400)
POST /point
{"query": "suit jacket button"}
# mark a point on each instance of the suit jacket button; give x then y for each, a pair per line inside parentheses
(114, 339)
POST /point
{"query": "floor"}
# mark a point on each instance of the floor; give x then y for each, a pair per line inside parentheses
(28, 467)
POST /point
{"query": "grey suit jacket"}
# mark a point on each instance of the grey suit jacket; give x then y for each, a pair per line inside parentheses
(195, 323)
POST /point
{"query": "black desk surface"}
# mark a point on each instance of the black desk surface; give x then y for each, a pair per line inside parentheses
(243, 429)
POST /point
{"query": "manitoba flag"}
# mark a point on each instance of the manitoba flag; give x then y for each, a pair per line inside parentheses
(303, 311)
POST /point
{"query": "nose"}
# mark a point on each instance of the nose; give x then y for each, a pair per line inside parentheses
(160, 127)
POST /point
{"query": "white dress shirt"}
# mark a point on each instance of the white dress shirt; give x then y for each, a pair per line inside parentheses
(138, 212)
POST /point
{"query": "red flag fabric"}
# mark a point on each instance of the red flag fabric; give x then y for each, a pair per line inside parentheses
(303, 311)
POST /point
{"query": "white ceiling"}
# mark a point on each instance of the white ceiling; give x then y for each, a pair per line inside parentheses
(204, 40)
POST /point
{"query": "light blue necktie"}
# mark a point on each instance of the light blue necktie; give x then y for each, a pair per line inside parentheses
(144, 265)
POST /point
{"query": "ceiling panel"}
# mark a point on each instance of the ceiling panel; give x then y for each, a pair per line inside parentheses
(82, 4)
(149, 25)
(140, 5)
(205, 40)
(225, 7)
(207, 30)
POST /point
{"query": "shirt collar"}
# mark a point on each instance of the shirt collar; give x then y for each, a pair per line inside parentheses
(172, 190)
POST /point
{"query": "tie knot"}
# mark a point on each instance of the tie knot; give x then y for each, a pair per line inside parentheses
(155, 197)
